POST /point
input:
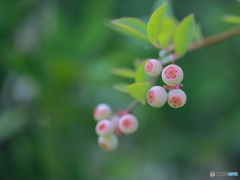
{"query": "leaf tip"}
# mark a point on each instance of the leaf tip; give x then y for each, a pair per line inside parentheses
(191, 15)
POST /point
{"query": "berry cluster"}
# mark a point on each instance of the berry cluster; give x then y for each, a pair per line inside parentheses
(110, 125)
(172, 75)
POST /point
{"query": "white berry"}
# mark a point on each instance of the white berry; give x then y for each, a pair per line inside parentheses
(104, 128)
(157, 96)
(172, 75)
(176, 98)
(153, 67)
(108, 143)
(128, 124)
(102, 111)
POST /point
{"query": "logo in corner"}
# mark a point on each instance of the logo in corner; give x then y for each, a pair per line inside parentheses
(212, 173)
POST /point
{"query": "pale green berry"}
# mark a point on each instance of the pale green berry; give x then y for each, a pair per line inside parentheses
(102, 111)
(128, 124)
(104, 128)
(157, 96)
(153, 67)
(172, 75)
(108, 143)
(176, 98)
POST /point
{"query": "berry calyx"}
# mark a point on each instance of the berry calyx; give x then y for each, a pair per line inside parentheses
(178, 86)
(102, 111)
(128, 124)
(108, 143)
(122, 112)
(104, 128)
(172, 75)
(153, 67)
(157, 96)
(176, 98)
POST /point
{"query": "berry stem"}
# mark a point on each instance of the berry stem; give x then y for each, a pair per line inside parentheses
(132, 106)
(195, 45)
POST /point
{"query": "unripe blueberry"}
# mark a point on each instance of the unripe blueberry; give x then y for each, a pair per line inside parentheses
(172, 75)
(104, 128)
(115, 119)
(153, 67)
(102, 111)
(108, 143)
(157, 96)
(128, 124)
(176, 98)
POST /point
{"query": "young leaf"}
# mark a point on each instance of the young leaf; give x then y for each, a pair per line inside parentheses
(155, 23)
(121, 87)
(139, 91)
(169, 9)
(165, 36)
(232, 19)
(124, 72)
(131, 27)
(183, 35)
(141, 76)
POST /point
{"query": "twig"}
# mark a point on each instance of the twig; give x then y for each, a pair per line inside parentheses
(215, 38)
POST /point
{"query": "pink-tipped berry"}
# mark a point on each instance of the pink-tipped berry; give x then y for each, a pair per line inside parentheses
(108, 143)
(176, 98)
(104, 128)
(153, 67)
(157, 96)
(128, 124)
(172, 75)
(102, 111)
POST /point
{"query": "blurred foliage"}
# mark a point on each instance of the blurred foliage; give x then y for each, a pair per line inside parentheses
(55, 66)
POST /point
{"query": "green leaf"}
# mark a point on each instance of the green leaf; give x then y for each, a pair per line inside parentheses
(121, 87)
(238, 0)
(184, 35)
(139, 91)
(166, 35)
(141, 76)
(169, 9)
(232, 19)
(136, 63)
(131, 27)
(198, 32)
(155, 23)
(124, 72)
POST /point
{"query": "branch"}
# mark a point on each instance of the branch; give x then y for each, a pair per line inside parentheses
(215, 38)
(198, 44)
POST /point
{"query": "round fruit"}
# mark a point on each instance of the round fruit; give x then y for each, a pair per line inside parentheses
(153, 67)
(172, 75)
(157, 96)
(176, 98)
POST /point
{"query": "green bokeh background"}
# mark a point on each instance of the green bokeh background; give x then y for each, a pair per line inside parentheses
(55, 58)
